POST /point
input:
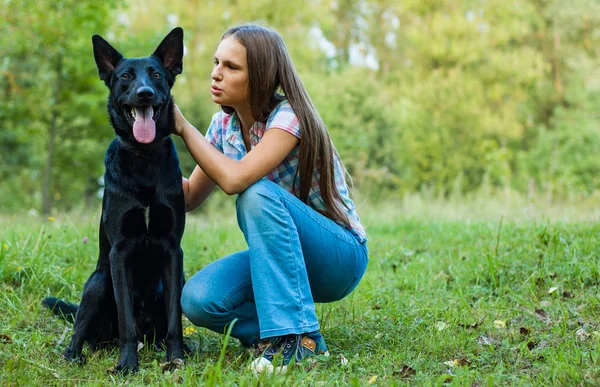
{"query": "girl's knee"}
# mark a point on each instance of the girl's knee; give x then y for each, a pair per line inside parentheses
(197, 305)
(257, 194)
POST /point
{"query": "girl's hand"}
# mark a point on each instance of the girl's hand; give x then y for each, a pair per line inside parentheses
(180, 121)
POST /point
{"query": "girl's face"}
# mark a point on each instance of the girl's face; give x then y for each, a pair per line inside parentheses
(230, 74)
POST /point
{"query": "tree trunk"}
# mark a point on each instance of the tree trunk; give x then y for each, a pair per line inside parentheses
(47, 201)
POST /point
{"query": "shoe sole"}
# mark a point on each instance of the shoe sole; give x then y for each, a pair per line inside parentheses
(260, 365)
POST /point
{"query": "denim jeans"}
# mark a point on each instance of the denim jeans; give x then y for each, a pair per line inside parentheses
(295, 257)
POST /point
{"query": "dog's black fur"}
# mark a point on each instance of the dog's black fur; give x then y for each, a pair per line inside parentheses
(134, 293)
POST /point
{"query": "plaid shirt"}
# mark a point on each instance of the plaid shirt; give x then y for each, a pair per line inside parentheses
(225, 134)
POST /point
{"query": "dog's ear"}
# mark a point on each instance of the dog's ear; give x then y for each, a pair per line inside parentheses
(106, 58)
(170, 51)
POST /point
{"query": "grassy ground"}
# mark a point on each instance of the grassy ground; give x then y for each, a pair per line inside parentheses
(447, 299)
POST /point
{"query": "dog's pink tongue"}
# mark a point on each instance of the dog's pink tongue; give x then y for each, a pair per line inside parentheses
(144, 128)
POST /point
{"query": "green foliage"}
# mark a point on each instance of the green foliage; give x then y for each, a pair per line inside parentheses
(419, 96)
(52, 99)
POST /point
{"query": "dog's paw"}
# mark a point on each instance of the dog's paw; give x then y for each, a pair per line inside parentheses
(128, 363)
(74, 357)
(123, 369)
(172, 365)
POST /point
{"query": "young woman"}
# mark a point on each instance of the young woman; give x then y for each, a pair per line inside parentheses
(269, 146)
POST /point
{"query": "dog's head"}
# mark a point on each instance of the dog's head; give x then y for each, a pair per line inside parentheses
(140, 88)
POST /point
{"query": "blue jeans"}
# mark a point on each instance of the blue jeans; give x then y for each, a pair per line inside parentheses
(295, 257)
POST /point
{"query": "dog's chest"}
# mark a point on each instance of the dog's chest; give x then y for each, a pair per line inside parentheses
(155, 221)
(146, 211)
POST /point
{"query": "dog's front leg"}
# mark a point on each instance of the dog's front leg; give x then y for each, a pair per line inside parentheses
(173, 280)
(93, 304)
(122, 283)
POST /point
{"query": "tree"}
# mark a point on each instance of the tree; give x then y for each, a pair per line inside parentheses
(50, 81)
(417, 94)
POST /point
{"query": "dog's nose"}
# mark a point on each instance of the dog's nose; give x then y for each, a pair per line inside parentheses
(145, 93)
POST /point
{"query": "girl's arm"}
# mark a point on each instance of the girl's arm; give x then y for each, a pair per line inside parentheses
(196, 189)
(232, 176)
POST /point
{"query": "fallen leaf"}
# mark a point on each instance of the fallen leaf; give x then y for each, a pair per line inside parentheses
(552, 289)
(484, 340)
(456, 363)
(373, 379)
(499, 324)
(582, 334)
(440, 325)
(567, 294)
(5, 339)
(172, 365)
(343, 360)
(542, 315)
(405, 372)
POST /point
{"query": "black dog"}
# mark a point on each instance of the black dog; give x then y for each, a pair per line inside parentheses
(135, 291)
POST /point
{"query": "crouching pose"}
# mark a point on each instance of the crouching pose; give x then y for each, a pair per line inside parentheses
(305, 242)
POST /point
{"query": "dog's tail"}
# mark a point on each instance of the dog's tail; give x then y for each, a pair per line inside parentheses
(61, 308)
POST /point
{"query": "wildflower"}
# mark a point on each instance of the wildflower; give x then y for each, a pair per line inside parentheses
(19, 268)
(85, 239)
(189, 330)
(51, 218)
(5, 246)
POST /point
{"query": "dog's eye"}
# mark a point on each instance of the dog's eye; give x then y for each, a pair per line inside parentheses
(156, 76)
(125, 76)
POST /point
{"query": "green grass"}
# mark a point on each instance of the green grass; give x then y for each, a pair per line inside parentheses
(446, 300)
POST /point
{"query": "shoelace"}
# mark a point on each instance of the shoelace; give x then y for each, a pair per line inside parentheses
(288, 346)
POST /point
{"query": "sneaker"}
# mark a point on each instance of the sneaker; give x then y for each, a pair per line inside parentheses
(318, 338)
(285, 350)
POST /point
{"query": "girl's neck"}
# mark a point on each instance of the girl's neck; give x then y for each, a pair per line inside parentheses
(245, 116)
